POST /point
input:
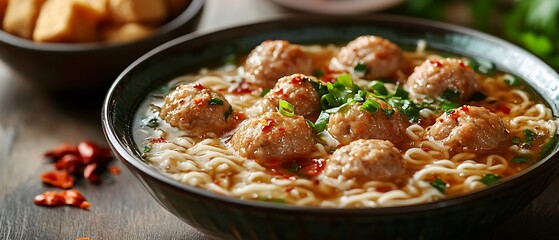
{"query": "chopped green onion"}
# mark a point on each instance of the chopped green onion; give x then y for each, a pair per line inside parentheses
(451, 95)
(482, 66)
(400, 92)
(321, 122)
(216, 101)
(511, 80)
(388, 112)
(152, 123)
(447, 106)
(371, 106)
(519, 159)
(345, 80)
(439, 184)
(529, 136)
(360, 96)
(228, 113)
(286, 108)
(147, 148)
(548, 146)
(515, 140)
(360, 68)
(377, 87)
(272, 200)
(264, 92)
(341, 108)
(490, 178)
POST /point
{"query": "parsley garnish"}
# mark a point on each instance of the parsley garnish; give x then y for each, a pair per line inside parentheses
(448, 106)
(478, 96)
(318, 73)
(264, 92)
(147, 148)
(548, 146)
(451, 95)
(388, 112)
(529, 136)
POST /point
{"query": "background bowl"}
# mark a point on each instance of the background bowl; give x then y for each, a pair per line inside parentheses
(60, 67)
(228, 218)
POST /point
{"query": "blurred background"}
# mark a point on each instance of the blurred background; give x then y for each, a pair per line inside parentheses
(532, 24)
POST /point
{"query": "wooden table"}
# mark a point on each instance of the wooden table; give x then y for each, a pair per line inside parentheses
(32, 122)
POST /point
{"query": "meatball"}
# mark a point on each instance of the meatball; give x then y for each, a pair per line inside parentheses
(357, 123)
(433, 77)
(470, 128)
(367, 160)
(297, 90)
(197, 110)
(274, 59)
(273, 137)
(381, 58)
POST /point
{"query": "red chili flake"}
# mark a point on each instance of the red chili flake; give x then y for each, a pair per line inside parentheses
(70, 197)
(441, 120)
(267, 124)
(465, 108)
(436, 63)
(199, 86)
(298, 79)
(239, 116)
(61, 179)
(383, 189)
(289, 189)
(156, 140)
(242, 87)
(316, 182)
(114, 170)
(454, 115)
(61, 150)
(425, 149)
(280, 92)
(503, 109)
(198, 101)
(462, 64)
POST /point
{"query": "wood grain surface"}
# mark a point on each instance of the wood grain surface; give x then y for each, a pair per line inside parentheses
(32, 122)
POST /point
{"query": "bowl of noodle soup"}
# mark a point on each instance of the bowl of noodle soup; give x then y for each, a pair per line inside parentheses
(446, 134)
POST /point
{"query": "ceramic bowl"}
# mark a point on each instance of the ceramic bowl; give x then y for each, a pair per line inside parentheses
(60, 67)
(230, 218)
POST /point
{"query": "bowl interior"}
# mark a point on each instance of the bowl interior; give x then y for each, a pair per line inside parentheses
(189, 53)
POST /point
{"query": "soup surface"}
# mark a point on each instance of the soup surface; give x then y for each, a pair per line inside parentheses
(365, 124)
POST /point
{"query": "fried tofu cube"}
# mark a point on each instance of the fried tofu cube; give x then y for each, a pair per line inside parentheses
(126, 32)
(95, 10)
(64, 21)
(21, 16)
(142, 11)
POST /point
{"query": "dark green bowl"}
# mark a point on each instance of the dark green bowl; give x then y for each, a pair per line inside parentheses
(231, 218)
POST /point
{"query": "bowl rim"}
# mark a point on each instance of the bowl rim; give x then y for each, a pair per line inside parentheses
(544, 164)
(188, 14)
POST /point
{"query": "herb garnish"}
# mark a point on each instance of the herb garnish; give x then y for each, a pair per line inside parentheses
(439, 184)
(320, 123)
(228, 113)
(377, 87)
(152, 123)
(489, 178)
(511, 80)
(286, 108)
(216, 101)
(482, 66)
(519, 159)
(360, 68)
(371, 106)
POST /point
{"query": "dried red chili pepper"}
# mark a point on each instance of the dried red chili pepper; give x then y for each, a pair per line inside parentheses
(91, 173)
(93, 153)
(62, 150)
(70, 197)
(71, 163)
(61, 179)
